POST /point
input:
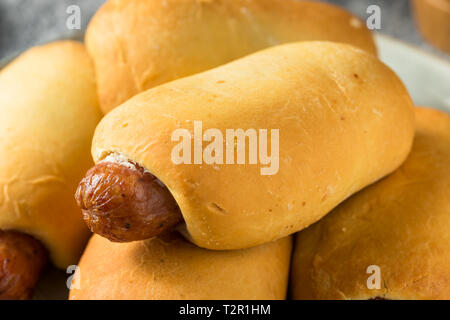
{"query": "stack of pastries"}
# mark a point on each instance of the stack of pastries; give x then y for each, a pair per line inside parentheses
(358, 177)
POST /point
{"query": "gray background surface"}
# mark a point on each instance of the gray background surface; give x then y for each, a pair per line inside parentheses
(24, 23)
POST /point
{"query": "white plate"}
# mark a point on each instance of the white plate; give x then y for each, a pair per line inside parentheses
(427, 77)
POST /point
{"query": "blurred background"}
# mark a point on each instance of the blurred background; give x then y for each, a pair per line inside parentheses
(24, 23)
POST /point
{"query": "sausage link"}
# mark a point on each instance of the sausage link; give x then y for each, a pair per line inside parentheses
(126, 203)
(22, 259)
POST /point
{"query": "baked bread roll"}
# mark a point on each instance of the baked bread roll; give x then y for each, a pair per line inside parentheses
(400, 225)
(170, 268)
(433, 21)
(344, 120)
(137, 45)
(49, 111)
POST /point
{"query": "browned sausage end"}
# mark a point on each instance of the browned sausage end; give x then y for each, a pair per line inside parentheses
(124, 202)
(22, 259)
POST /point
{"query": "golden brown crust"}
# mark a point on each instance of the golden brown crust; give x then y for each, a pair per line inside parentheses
(170, 268)
(137, 44)
(22, 259)
(433, 20)
(125, 203)
(345, 120)
(49, 111)
(400, 224)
